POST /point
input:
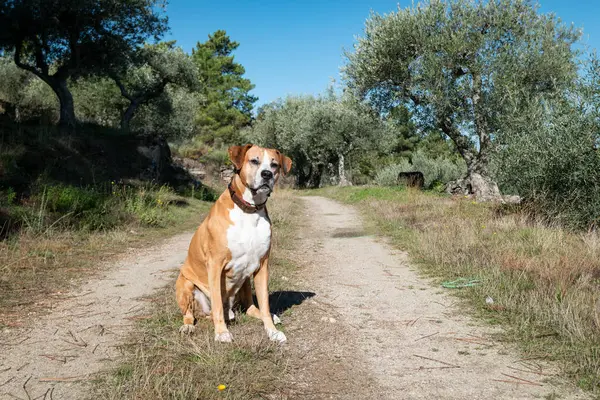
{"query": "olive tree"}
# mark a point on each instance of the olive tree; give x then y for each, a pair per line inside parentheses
(456, 64)
(60, 39)
(318, 132)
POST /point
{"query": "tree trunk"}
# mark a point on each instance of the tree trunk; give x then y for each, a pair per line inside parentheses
(67, 108)
(314, 180)
(478, 181)
(128, 115)
(342, 172)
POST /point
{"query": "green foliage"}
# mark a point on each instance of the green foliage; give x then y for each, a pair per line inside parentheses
(23, 96)
(460, 66)
(551, 160)
(172, 114)
(146, 74)
(59, 39)
(91, 208)
(388, 176)
(437, 171)
(97, 101)
(225, 94)
(406, 139)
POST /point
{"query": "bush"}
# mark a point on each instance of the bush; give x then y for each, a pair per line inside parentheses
(388, 176)
(438, 171)
(555, 167)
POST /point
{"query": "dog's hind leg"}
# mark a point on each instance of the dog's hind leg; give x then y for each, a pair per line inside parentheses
(185, 299)
(245, 297)
(202, 303)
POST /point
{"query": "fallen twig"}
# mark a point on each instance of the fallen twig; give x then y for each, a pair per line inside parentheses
(25, 387)
(468, 340)
(515, 382)
(65, 379)
(23, 366)
(16, 343)
(433, 359)
(523, 380)
(425, 337)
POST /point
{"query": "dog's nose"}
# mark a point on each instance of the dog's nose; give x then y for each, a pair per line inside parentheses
(266, 174)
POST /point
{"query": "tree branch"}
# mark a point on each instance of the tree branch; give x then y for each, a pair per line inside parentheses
(26, 67)
(122, 88)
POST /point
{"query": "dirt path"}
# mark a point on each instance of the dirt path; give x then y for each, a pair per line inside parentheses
(406, 333)
(373, 329)
(60, 354)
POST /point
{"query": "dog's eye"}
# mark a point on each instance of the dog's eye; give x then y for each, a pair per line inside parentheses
(254, 161)
(274, 165)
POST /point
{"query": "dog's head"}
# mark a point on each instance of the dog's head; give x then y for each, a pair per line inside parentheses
(259, 168)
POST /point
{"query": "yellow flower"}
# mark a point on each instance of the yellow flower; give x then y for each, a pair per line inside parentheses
(221, 387)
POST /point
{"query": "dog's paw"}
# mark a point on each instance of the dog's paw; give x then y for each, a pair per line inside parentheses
(225, 337)
(187, 329)
(276, 319)
(276, 336)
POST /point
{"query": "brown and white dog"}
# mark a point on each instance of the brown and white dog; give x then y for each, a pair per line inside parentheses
(231, 245)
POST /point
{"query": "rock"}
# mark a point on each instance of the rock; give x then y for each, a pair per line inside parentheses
(483, 188)
(195, 168)
(226, 173)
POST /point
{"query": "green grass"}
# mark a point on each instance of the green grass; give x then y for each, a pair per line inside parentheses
(161, 364)
(545, 281)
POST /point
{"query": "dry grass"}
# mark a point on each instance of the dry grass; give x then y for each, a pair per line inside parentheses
(544, 280)
(160, 364)
(37, 268)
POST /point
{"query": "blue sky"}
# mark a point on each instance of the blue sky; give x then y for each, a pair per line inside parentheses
(292, 47)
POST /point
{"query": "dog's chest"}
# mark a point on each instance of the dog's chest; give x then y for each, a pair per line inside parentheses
(248, 239)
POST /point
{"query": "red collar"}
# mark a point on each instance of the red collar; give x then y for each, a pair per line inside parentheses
(243, 204)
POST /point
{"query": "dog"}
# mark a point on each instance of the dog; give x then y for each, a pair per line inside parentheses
(232, 245)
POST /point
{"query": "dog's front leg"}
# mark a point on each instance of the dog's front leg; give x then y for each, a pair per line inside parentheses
(216, 298)
(261, 284)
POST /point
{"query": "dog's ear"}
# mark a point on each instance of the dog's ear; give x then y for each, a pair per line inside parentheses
(237, 154)
(286, 164)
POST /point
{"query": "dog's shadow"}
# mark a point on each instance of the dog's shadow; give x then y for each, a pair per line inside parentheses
(283, 300)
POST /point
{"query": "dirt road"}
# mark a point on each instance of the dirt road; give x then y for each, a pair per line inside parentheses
(59, 354)
(407, 334)
(374, 328)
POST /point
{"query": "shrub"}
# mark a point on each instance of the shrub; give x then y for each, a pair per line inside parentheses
(555, 167)
(388, 176)
(438, 171)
